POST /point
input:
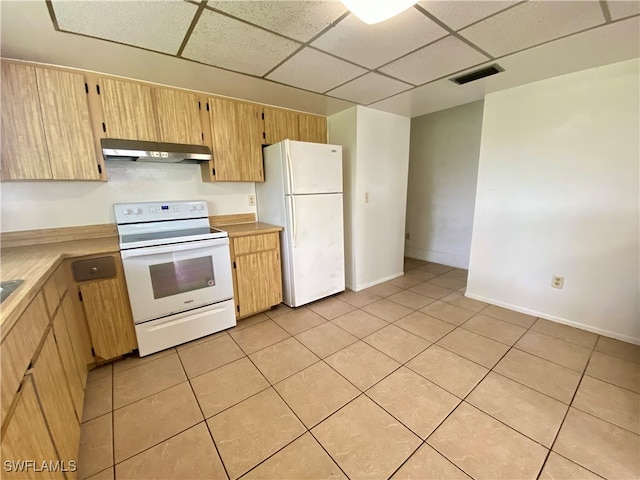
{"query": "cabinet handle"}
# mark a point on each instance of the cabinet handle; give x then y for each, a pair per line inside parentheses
(93, 269)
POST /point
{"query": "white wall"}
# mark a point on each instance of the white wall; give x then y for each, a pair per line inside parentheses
(376, 158)
(342, 131)
(558, 193)
(443, 172)
(33, 205)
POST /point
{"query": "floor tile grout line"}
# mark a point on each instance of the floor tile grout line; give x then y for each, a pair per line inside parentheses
(609, 383)
(215, 445)
(564, 418)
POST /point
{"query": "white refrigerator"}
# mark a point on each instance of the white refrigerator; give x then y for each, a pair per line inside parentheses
(302, 192)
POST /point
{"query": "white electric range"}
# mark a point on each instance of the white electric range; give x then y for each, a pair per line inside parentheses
(178, 272)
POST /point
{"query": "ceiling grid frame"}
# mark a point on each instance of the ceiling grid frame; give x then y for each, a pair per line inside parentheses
(453, 32)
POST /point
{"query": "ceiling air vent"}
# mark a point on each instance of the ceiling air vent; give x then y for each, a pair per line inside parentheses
(478, 74)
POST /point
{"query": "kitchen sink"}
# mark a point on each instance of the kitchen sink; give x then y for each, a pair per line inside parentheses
(7, 288)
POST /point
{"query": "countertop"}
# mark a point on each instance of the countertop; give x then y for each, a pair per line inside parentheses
(34, 264)
(244, 229)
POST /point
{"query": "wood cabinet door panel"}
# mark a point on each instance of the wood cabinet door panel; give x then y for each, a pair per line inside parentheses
(67, 125)
(18, 348)
(128, 110)
(236, 132)
(109, 319)
(24, 147)
(259, 281)
(55, 399)
(69, 365)
(27, 437)
(280, 125)
(76, 338)
(178, 116)
(313, 128)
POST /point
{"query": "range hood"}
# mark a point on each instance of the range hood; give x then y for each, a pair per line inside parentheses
(140, 151)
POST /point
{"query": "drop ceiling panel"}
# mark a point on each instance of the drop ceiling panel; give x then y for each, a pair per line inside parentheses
(621, 9)
(316, 71)
(443, 57)
(224, 42)
(369, 88)
(460, 13)
(533, 23)
(128, 22)
(375, 45)
(298, 20)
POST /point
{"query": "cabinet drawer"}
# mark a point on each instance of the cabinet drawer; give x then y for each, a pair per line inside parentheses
(255, 243)
(18, 349)
(93, 269)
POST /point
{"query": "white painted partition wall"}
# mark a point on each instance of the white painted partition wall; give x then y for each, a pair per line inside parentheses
(376, 160)
(558, 193)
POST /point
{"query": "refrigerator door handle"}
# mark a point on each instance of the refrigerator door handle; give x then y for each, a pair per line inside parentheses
(294, 221)
(289, 167)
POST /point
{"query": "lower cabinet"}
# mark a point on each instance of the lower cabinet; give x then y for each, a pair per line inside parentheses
(55, 398)
(42, 386)
(257, 273)
(27, 438)
(103, 294)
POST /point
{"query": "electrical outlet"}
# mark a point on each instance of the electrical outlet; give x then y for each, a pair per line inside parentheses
(366, 197)
(557, 281)
(252, 200)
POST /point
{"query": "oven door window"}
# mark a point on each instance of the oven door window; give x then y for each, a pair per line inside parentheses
(181, 276)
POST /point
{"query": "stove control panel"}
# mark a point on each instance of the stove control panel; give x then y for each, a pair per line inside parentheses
(158, 211)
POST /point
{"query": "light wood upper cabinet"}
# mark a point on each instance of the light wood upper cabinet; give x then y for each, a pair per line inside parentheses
(178, 116)
(280, 125)
(128, 110)
(236, 132)
(27, 437)
(55, 400)
(312, 128)
(257, 273)
(24, 147)
(67, 125)
(46, 127)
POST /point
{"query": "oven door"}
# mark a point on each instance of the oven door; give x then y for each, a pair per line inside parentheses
(170, 279)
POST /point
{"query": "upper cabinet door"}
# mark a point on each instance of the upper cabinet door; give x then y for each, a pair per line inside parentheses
(24, 147)
(178, 116)
(280, 125)
(67, 125)
(236, 133)
(128, 110)
(313, 128)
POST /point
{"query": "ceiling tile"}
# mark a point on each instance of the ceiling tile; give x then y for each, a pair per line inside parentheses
(369, 88)
(121, 21)
(460, 13)
(315, 71)
(533, 23)
(224, 42)
(375, 45)
(621, 9)
(441, 58)
(298, 20)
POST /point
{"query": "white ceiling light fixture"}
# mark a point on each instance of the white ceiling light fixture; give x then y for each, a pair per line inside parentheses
(376, 11)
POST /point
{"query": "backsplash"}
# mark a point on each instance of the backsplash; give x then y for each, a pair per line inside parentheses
(33, 205)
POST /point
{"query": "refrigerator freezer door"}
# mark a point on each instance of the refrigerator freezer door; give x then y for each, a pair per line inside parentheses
(314, 253)
(312, 168)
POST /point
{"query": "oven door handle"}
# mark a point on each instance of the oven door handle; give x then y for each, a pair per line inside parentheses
(176, 247)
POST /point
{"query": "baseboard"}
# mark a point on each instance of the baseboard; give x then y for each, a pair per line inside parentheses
(443, 258)
(377, 282)
(553, 318)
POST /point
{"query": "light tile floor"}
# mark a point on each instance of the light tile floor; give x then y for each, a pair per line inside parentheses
(407, 379)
